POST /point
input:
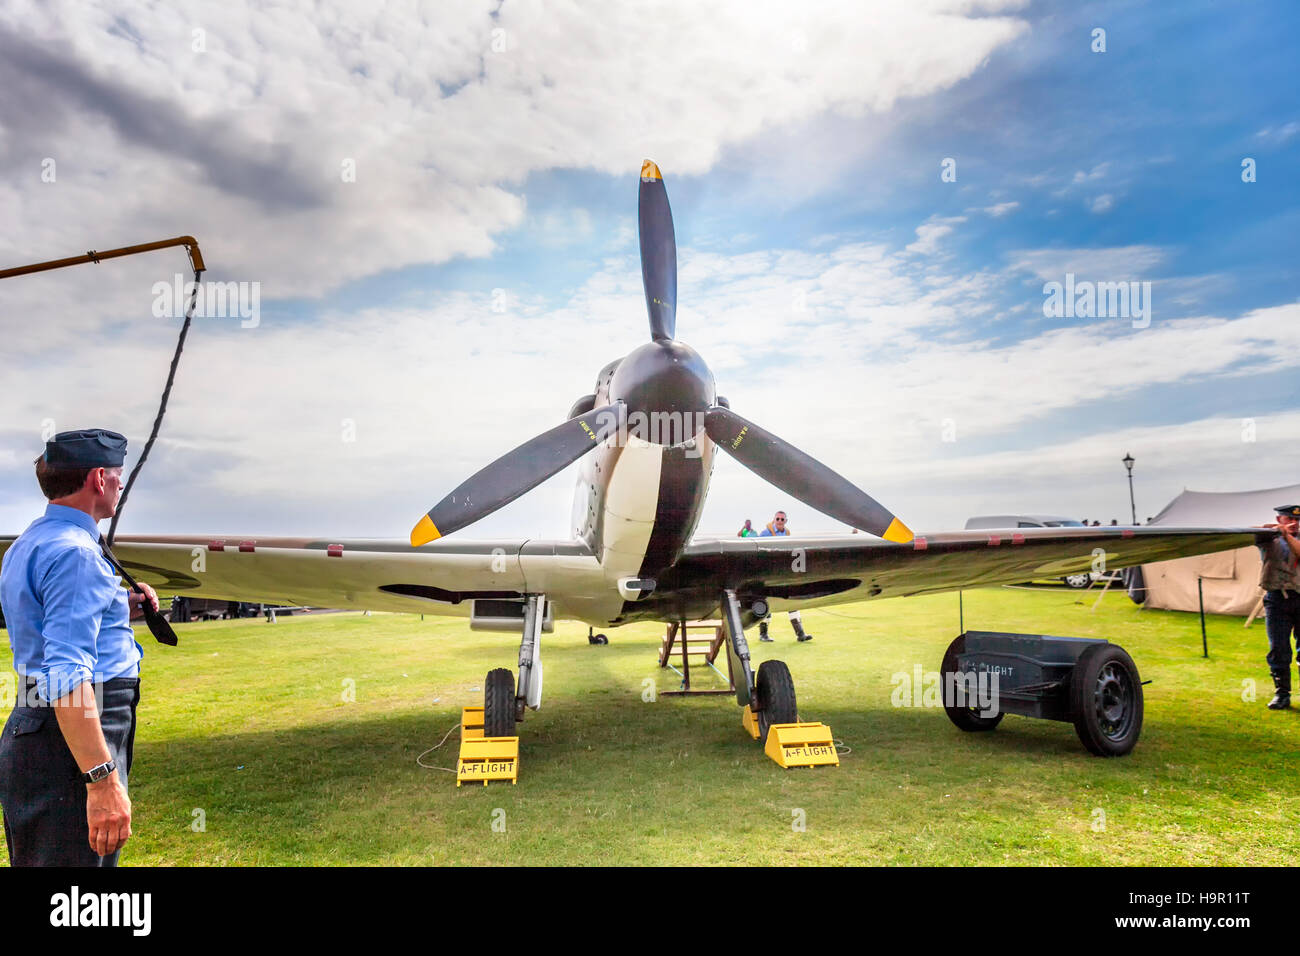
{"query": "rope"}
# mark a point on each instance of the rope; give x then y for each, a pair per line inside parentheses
(162, 407)
(420, 759)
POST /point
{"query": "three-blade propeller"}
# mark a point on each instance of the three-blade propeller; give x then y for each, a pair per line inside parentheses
(769, 457)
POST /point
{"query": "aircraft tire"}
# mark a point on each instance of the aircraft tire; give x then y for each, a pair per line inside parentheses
(774, 693)
(965, 718)
(499, 703)
(1106, 700)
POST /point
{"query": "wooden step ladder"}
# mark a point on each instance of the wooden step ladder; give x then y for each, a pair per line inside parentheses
(704, 649)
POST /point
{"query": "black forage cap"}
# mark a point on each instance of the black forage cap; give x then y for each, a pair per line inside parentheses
(87, 448)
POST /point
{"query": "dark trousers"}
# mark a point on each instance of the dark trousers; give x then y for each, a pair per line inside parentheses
(41, 791)
(1281, 620)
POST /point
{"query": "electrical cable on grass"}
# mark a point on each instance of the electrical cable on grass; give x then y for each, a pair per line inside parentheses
(847, 617)
(420, 759)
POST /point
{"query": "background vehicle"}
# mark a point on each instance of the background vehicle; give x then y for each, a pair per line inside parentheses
(1079, 581)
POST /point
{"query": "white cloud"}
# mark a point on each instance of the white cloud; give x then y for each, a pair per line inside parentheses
(998, 210)
(931, 231)
(1097, 172)
(1111, 263)
(1279, 134)
(1103, 203)
(444, 112)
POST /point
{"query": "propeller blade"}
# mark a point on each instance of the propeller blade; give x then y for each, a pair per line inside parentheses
(658, 253)
(800, 475)
(517, 472)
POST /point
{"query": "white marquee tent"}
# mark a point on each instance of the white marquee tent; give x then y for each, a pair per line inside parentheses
(1230, 578)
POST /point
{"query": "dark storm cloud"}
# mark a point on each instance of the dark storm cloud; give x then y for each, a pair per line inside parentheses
(46, 88)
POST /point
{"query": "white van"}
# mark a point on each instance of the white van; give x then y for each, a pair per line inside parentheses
(1079, 581)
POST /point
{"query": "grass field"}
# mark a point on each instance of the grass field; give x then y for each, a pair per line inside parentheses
(246, 722)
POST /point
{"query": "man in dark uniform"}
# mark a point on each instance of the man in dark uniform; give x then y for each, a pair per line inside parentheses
(66, 748)
(1280, 580)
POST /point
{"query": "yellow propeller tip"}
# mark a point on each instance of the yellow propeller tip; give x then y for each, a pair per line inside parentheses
(897, 532)
(650, 171)
(424, 532)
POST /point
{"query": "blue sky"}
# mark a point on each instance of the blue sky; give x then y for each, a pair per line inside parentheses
(888, 322)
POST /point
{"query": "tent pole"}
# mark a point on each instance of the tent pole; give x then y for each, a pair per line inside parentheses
(1109, 579)
(1259, 606)
(1200, 595)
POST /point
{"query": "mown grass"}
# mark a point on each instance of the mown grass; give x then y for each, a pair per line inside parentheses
(247, 722)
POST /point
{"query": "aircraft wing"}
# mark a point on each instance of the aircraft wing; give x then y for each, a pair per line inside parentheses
(443, 577)
(339, 573)
(814, 572)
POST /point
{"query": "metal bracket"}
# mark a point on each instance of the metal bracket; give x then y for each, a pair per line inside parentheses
(737, 648)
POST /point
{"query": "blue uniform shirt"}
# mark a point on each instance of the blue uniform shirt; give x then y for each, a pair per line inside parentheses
(68, 618)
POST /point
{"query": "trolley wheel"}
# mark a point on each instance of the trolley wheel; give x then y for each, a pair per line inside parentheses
(967, 718)
(1106, 700)
(774, 697)
(499, 703)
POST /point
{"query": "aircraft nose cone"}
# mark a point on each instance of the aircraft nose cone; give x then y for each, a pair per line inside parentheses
(665, 377)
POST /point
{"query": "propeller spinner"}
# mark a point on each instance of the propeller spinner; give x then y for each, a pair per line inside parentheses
(661, 376)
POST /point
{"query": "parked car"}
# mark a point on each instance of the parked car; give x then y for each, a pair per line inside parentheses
(1079, 580)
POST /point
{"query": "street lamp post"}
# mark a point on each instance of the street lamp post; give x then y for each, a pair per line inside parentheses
(1128, 463)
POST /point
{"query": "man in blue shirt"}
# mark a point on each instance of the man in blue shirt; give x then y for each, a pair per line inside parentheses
(66, 749)
(776, 528)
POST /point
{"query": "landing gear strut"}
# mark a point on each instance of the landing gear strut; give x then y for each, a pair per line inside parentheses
(770, 695)
(504, 705)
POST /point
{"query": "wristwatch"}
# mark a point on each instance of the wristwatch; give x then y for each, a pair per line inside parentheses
(96, 774)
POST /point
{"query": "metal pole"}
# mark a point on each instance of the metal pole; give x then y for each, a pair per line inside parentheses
(1131, 504)
(190, 243)
(1200, 596)
(961, 615)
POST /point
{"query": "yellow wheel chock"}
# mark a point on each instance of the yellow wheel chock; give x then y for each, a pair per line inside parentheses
(484, 758)
(801, 745)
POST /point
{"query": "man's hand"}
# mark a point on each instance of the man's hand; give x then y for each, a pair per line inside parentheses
(108, 814)
(135, 598)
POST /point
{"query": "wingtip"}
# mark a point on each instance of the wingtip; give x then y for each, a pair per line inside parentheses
(424, 532)
(650, 172)
(898, 532)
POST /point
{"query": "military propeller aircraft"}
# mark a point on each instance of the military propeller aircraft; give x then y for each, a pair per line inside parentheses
(647, 436)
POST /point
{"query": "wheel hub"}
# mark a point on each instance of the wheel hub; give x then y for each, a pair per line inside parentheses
(1114, 701)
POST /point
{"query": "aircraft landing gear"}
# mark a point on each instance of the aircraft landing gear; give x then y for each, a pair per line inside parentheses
(594, 638)
(770, 696)
(504, 705)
